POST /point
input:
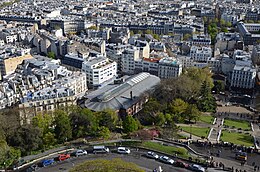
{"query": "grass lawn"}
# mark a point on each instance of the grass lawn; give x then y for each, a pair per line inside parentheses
(207, 119)
(197, 131)
(166, 149)
(237, 138)
(244, 125)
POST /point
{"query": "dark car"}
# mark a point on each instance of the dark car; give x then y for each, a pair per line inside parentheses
(182, 164)
(47, 162)
(32, 168)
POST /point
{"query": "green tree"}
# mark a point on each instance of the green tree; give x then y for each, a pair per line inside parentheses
(224, 29)
(101, 165)
(27, 138)
(130, 124)
(62, 125)
(219, 86)
(160, 119)
(132, 33)
(108, 118)
(104, 132)
(93, 28)
(206, 101)
(228, 24)
(51, 55)
(139, 32)
(148, 32)
(43, 122)
(192, 113)
(186, 37)
(177, 108)
(49, 139)
(149, 112)
(84, 122)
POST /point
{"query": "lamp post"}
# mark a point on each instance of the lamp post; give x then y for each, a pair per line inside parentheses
(190, 131)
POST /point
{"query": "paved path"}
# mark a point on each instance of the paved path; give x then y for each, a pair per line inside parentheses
(215, 133)
(256, 134)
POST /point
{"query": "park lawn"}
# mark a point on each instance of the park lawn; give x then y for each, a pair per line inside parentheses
(237, 138)
(182, 152)
(244, 125)
(197, 131)
(206, 119)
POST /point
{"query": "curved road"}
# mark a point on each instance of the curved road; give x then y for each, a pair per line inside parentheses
(135, 157)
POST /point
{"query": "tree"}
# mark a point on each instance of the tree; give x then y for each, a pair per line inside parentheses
(192, 113)
(149, 112)
(27, 138)
(84, 122)
(219, 86)
(132, 33)
(186, 37)
(62, 125)
(160, 119)
(101, 165)
(51, 55)
(104, 132)
(148, 32)
(130, 124)
(139, 32)
(49, 139)
(43, 122)
(108, 118)
(206, 101)
(93, 27)
(224, 29)
(228, 24)
(177, 108)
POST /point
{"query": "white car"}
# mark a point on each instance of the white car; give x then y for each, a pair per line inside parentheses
(166, 160)
(123, 150)
(197, 168)
(81, 152)
(152, 155)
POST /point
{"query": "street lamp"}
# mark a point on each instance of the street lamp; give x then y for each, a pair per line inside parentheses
(190, 131)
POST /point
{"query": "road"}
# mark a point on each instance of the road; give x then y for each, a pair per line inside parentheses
(227, 156)
(135, 157)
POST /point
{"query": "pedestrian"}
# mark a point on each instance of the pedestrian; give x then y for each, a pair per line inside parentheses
(232, 169)
(253, 164)
(258, 168)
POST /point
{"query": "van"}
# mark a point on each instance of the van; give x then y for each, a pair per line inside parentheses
(100, 149)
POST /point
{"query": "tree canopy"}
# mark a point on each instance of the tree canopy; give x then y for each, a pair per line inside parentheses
(102, 165)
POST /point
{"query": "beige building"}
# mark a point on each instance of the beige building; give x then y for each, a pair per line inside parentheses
(30, 109)
(8, 65)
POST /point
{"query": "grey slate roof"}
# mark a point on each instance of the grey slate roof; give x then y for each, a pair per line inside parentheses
(118, 96)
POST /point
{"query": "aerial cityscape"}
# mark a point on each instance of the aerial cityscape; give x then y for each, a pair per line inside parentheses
(129, 85)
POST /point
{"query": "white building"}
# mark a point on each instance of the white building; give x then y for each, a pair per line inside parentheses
(230, 17)
(200, 39)
(200, 54)
(99, 70)
(243, 77)
(169, 67)
(128, 58)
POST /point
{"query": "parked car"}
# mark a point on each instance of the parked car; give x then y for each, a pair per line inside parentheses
(100, 149)
(166, 160)
(79, 153)
(32, 168)
(197, 168)
(123, 150)
(152, 155)
(182, 164)
(63, 157)
(47, 162)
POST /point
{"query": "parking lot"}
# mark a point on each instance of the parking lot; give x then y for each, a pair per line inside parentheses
(136, 156)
